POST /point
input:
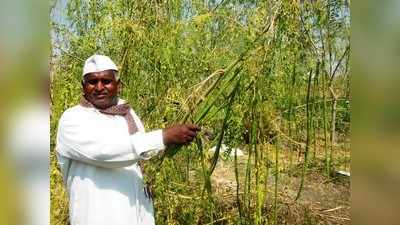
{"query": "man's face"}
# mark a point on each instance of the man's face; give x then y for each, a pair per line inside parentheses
(101, 89)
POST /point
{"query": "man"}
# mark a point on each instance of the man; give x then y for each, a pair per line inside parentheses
(99, 143)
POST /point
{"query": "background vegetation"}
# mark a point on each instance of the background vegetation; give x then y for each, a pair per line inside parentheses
(268, 77)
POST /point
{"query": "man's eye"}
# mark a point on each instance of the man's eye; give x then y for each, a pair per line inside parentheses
(92, 82)
(106, 81)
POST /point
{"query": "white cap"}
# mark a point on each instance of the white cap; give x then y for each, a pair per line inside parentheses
(98, 63)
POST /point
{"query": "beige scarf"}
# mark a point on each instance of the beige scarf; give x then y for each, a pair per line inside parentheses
(122, 110)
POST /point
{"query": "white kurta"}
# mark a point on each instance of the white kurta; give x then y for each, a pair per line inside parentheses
(97, 157)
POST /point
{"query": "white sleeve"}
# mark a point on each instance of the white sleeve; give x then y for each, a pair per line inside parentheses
(78, 140)
(150, 143)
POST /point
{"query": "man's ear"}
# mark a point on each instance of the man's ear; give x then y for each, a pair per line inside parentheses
(120, 86)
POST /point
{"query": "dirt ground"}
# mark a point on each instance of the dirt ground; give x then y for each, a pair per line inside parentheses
(323, 200)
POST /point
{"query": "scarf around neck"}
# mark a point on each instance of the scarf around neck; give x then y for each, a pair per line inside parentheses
(119, 109)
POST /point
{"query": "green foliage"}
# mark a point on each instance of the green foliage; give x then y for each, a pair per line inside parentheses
(180, 62)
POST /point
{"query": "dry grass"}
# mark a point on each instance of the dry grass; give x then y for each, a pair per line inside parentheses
(323, 201)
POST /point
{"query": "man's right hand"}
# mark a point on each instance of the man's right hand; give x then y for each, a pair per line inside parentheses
(181, 134)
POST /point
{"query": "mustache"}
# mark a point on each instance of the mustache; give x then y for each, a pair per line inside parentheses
(100, 93)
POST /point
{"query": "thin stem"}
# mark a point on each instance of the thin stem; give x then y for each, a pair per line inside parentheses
(308, 139)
